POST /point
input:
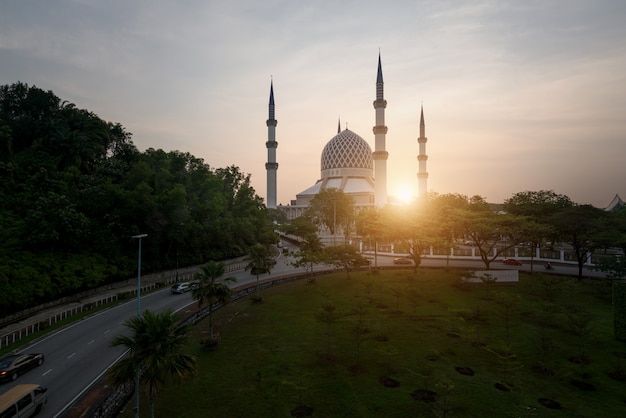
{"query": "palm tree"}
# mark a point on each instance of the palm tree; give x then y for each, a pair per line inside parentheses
(259, 261)
(154, 353)
(211, 289)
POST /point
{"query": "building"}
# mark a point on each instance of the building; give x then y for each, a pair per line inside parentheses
(347, 161)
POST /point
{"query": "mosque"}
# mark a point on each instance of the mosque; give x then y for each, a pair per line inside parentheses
(347, 161)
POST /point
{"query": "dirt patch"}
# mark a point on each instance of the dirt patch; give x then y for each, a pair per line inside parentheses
(92, 399)
(502, 387)
(302, 411)
(617, 375)
(357, 369)
(381, 338)
(586, 386)
(465, 371)
(388, 382)
(424, 395)
(452, 335)
(549, 403)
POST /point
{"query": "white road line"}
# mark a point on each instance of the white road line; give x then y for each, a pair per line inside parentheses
(47, 371)
(71, 355)
(91, 342)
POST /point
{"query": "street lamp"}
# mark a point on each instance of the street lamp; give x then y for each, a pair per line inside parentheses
(177, 233)
(139, 237)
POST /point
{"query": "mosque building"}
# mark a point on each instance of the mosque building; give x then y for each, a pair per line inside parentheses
(347, 162)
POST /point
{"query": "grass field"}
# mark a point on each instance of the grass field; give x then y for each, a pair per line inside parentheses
(404, 344)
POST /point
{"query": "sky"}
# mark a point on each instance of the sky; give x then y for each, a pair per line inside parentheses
(517, 95)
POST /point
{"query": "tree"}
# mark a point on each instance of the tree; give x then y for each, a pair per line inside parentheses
(488, 230)
(612, 230)
(426, 223)
(333, 209)
(211, 288)
(154, 353)
(345, 257)
(329, 315)
(260, 261)
(578, 227)
(310, 250)
(538, 205)
(614, 267)
(371, 226)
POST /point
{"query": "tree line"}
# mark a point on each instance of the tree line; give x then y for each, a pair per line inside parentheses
(530, 218)
(74, 189)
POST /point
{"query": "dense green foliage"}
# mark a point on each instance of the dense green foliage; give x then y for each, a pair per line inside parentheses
(619, 306)
(74, 189)
(543, 338)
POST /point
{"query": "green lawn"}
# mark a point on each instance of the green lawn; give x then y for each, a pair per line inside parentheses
(413, 330)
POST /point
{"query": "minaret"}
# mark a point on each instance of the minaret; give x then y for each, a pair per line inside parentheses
(422, 174)
(380, 155)
(271, 166)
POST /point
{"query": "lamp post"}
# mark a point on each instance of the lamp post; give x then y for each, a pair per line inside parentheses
(177, 233)
(139, 237)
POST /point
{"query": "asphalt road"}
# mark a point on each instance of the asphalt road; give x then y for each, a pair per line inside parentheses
(77, 355)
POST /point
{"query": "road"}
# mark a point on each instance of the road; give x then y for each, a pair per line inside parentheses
(77, 355)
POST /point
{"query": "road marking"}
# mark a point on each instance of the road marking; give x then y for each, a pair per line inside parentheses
(107, 331)
(91, 342)
(71, 355)
(47, 371)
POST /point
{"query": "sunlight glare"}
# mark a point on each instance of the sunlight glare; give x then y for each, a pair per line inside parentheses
(404, 194)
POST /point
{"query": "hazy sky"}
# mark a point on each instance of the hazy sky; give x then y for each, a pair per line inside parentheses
(517, 95)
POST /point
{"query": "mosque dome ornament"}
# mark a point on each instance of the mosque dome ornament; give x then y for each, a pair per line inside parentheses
(347, 150)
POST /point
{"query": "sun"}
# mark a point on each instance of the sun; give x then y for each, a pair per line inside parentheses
(404, 193)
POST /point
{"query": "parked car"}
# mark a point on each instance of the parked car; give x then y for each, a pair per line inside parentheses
(183, 287)
(14, 365)
(512, 262)
(401, 260)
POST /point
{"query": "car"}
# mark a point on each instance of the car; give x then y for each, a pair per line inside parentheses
(14, 365)
(512, 262)
(183, 287)
(401, 260)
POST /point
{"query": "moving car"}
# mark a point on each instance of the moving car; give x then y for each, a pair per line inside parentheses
(14, 365)
(23, 401)
(183, 287)
(512, 262)
(401, 260)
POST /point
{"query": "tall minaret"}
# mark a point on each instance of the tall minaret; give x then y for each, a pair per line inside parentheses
(380, 155)
(422, 174)
(271, 165)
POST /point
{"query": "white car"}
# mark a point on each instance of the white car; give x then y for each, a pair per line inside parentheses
(183, 287)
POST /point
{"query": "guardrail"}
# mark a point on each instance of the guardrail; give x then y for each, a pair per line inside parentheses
(150, 283)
